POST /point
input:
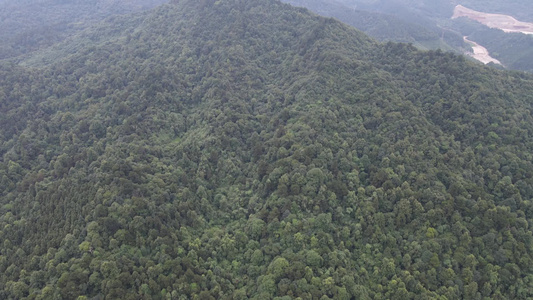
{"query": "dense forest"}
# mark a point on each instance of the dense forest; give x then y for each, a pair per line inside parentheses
(247, 149)
(31, 25)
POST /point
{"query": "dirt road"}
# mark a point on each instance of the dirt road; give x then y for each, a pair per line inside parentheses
(503, 22)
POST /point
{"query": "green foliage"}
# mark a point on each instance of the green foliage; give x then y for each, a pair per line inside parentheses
(250, 150)
(32, 25)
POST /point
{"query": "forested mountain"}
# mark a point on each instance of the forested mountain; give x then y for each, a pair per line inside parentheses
(238, 149)
(30, 25)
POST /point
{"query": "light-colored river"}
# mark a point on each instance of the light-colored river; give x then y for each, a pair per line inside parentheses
(481, 53)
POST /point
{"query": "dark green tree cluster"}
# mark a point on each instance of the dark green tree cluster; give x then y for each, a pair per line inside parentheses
(238, 149)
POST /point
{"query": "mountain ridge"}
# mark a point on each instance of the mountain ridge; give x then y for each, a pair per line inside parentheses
(428, 25)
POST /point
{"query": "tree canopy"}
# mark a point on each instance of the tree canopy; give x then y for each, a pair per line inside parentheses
(239, 149)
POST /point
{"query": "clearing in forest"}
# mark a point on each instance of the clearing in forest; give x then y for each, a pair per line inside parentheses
(503, 22)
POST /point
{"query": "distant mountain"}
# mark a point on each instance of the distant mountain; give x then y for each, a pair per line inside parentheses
(395, 23)
(427, 25)
(237, 149)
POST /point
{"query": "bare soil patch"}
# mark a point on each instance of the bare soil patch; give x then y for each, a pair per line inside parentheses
(503, 22)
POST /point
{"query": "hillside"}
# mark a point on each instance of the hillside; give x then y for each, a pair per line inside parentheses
(252, 150)
(31, 25)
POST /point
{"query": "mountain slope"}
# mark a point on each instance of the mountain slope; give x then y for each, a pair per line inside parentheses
(247, 149)
(30, 25)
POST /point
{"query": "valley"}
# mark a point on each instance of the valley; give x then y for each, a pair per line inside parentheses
(431, 25)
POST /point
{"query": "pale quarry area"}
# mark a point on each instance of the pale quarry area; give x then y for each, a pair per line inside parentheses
(503, 22)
